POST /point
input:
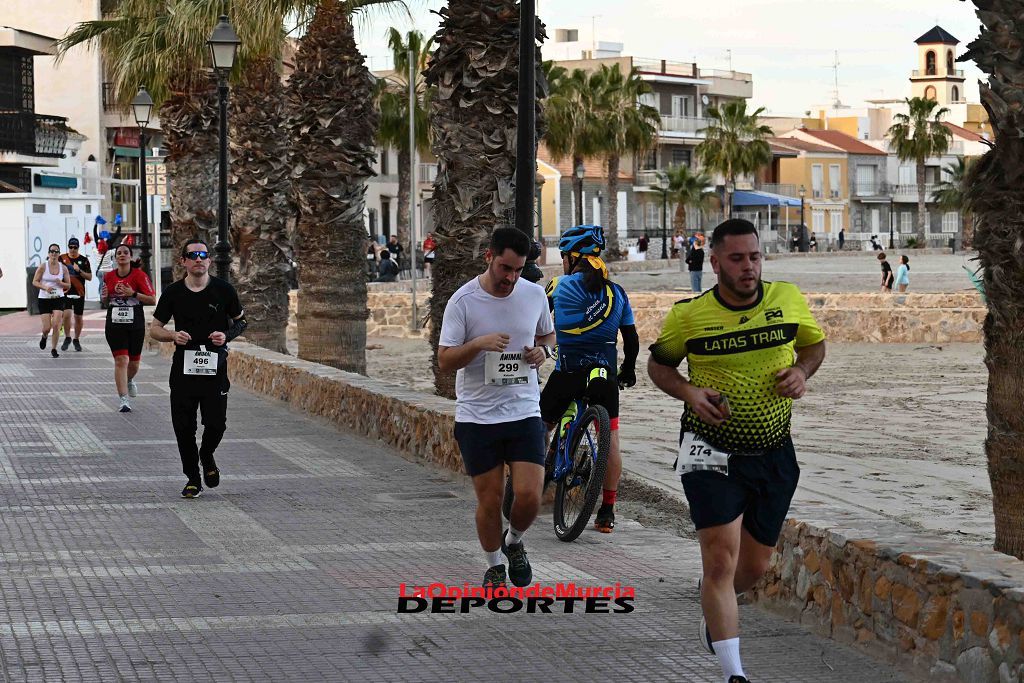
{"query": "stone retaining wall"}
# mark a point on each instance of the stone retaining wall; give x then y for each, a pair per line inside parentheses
(932, 608)
(917, 318)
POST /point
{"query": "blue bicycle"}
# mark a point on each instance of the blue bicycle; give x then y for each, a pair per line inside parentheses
(576, 463)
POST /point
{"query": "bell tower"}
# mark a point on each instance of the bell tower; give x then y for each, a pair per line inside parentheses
(936, 76)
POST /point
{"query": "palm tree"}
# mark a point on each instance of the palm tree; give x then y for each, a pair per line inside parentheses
(734, 144)
(333, 125)
(950, 194)
(918, 136)
(573, 128)
(689, 189)
(393, 104)
(995, 193)
(148, 43)
(625, 127)
(473, 128)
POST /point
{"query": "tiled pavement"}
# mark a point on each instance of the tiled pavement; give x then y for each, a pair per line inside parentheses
(290, 569)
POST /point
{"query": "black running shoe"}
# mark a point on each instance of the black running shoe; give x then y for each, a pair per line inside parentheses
(605, 521)
(78, 344)
(66, 344)
(519, 569)
(53, 352)
(42, 343)
(191, 491)
(495, 577)
(738, 679)
(211, 478)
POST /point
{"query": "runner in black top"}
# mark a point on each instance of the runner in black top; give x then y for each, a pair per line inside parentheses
(207, 314)
(80, 271)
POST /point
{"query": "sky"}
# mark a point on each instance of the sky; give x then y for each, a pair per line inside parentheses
(788, 45)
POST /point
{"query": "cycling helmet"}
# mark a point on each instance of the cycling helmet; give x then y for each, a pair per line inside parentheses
(586, 240)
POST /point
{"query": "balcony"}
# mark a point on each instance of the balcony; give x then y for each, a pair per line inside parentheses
(784, 189)
(649, 178)
(28, 138)
(871, 189)
(955, 73)
(688, 126)
(663, 67)
(908, 193)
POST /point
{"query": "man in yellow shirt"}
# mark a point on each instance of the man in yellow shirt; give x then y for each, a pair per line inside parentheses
(750, 347)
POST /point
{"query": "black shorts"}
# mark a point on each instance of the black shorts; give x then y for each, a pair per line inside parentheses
(48, 306)
(485, 446)
(126, 342)
(759, 487)
(563, 387)
(76, 305)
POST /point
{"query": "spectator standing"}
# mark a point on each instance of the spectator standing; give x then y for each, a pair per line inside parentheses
(387, 269)
(641, 244)
(429, 247)
(695, 264)
(812, 244)
(396, 249)
(842, 238)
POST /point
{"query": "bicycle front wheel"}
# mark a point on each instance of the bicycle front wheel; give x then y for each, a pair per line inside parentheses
(577, 491)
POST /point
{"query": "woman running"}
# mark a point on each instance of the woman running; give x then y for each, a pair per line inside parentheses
(127, 288)
(52, 280)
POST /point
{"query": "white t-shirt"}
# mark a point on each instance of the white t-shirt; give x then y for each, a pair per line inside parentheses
(522, 315)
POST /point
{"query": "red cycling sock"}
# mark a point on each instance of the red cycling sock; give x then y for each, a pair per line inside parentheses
(608, 497)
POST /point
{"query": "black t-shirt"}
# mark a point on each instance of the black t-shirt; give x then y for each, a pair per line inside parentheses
(886, 274)
(200, 314)
(77, 282)
(695, 260)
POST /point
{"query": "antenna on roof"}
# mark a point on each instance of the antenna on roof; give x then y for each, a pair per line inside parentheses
(836, 103)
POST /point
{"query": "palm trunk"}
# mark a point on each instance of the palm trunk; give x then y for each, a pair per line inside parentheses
(189, 122)
(612, 233)
(333, 124)
(261, 206)
(921, 203)
(473, 124)
(404, 205)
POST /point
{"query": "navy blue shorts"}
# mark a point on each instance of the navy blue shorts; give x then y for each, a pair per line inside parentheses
(484, 447)
(759, 487)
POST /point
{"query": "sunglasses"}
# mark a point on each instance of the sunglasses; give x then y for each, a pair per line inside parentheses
(197, 255)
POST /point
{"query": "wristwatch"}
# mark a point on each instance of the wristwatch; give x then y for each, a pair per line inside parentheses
(548, 351)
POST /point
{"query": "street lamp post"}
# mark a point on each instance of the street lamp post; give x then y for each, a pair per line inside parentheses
(579, 172)
(891, 215)
(142, 107)
(663, 189)
(803, 230)
(223, 44)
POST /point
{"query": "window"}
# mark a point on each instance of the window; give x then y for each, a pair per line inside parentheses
(817, 180)
(956, 94)
(384, 162)
(65, 208)
(385, 217)
(927, 221)
(866, 180)
(837, 222)
(652, 216)
(682, 105)
(929, 63)
(88, 208)
(818, 221)
(906, 221)
(834, 176)
(650, 161)
(949, 62)
(681, 157)
(950, 221)
(929, 93)
(908, 176)
(39, 208)
(651, 99)
(876, 220)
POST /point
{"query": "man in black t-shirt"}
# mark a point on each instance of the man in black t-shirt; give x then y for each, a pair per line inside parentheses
(887, 276)
(207, 314)
(74, 299)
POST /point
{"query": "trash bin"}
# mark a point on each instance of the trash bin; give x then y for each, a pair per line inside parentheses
(33, 294)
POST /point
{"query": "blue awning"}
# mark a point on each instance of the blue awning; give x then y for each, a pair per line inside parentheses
(752, 198)
(62, 182)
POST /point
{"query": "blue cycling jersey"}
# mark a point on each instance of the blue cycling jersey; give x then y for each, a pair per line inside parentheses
(587, 324)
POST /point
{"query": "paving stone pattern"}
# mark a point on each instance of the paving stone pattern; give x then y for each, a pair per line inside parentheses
(290, 569)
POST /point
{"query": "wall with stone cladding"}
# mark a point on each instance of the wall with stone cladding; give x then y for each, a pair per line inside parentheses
(917, 318)
(929, 606)
(933, 608)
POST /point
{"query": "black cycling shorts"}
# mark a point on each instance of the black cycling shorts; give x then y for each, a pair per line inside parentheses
(759, 487)
(77, 305)
(562, 387)
(125, 342)
(48, 306)
(485, 446)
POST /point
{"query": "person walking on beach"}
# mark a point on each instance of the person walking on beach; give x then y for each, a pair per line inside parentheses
(903, 273)
(886, 273)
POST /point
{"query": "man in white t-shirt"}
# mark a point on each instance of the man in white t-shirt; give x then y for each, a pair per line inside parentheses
(496, 332)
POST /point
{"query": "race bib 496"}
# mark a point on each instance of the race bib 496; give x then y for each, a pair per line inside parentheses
(201, 362)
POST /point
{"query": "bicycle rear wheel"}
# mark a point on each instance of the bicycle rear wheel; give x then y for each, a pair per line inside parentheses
(577, 491)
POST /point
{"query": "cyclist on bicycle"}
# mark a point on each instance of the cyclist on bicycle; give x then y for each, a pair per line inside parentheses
(590, 310)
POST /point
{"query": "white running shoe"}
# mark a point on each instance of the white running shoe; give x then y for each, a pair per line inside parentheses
(133, 388)
(125, 408)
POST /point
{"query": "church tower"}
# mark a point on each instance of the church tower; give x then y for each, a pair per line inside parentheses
(936, 76)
